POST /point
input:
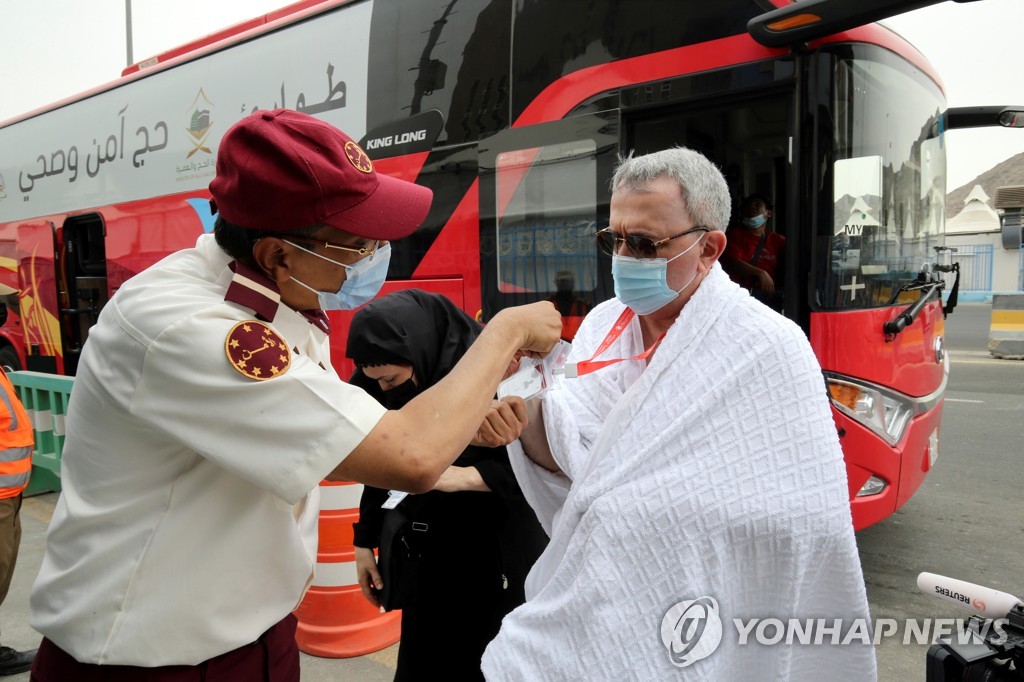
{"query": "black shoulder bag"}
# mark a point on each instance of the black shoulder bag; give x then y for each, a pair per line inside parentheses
(398, 558)
(760, 248)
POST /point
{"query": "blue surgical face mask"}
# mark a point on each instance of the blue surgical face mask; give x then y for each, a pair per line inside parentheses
(363, 280)
(755, 222)
(642, 283)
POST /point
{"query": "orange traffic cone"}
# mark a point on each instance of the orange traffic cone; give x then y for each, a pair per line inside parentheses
(335, 619)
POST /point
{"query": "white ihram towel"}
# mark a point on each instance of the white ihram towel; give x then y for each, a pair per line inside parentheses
(716, 471)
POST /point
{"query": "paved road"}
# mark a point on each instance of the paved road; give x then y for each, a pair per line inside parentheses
(964, 522)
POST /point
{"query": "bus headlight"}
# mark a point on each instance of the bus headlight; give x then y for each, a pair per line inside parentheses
(873, 486)
(885, 412)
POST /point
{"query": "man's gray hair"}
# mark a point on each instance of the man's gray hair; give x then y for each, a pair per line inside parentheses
(705, 193)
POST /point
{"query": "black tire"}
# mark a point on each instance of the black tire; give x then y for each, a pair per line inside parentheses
(9, 359)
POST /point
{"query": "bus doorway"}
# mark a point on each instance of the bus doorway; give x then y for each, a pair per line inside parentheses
(751, 141)
(83, 289)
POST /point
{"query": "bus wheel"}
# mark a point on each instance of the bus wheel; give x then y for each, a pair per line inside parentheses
(9, 359)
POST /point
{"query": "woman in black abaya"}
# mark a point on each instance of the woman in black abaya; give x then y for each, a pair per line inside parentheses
(481, 537)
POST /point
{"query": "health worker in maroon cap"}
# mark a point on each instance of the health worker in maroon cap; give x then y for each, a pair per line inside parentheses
(205, 412)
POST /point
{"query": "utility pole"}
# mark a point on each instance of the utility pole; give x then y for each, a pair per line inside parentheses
(128, 30)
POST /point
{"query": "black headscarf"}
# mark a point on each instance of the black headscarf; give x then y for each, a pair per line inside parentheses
(409, 327)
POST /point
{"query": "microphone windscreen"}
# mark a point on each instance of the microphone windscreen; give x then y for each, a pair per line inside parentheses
(984, 600)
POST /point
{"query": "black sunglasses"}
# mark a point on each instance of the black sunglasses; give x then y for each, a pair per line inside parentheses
(611, 241)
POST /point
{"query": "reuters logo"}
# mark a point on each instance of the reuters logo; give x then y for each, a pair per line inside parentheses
(358, 157)
(691, 631)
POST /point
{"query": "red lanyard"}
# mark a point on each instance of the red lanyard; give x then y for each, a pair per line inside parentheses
(591, 365)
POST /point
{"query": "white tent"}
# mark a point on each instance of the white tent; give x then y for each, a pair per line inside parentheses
(976, 216)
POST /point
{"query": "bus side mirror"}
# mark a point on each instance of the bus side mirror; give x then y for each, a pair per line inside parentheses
(3, 314)
(1011, 119)
(811, 19)
(982, 117)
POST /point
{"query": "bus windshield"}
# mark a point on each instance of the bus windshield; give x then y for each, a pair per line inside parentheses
(888, 178)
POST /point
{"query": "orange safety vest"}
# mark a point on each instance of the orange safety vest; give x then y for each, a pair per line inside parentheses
(16, 441)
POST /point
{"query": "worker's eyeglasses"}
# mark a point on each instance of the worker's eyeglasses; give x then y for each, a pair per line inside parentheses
(362, 250)
(611, 241)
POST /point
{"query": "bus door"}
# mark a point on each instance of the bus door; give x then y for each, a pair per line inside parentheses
(543, 194)
(83, 289)
(750, 135)
(36, 312)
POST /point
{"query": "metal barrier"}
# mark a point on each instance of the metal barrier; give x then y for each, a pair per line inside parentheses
(1020, 274)
(975, 267)
(1006, 333)
(45, 397)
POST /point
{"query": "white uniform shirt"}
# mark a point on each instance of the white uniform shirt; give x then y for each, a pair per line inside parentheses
(187, 525)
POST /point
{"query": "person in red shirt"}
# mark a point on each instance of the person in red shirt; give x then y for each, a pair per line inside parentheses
(571, 307)
(754, 256)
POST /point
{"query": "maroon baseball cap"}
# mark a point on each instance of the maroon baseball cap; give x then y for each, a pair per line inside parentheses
(281, 170)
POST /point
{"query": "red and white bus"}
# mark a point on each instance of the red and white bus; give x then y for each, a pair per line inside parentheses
(514, 114)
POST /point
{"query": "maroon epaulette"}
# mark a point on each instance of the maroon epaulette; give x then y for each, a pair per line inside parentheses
(254, 290)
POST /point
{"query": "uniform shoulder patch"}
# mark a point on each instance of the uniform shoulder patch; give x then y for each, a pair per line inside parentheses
(257, 351)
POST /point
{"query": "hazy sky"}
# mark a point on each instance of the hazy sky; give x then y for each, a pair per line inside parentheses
(51, 49)
(975, 47)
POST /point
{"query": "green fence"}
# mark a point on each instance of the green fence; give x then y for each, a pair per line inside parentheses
(45, 397)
